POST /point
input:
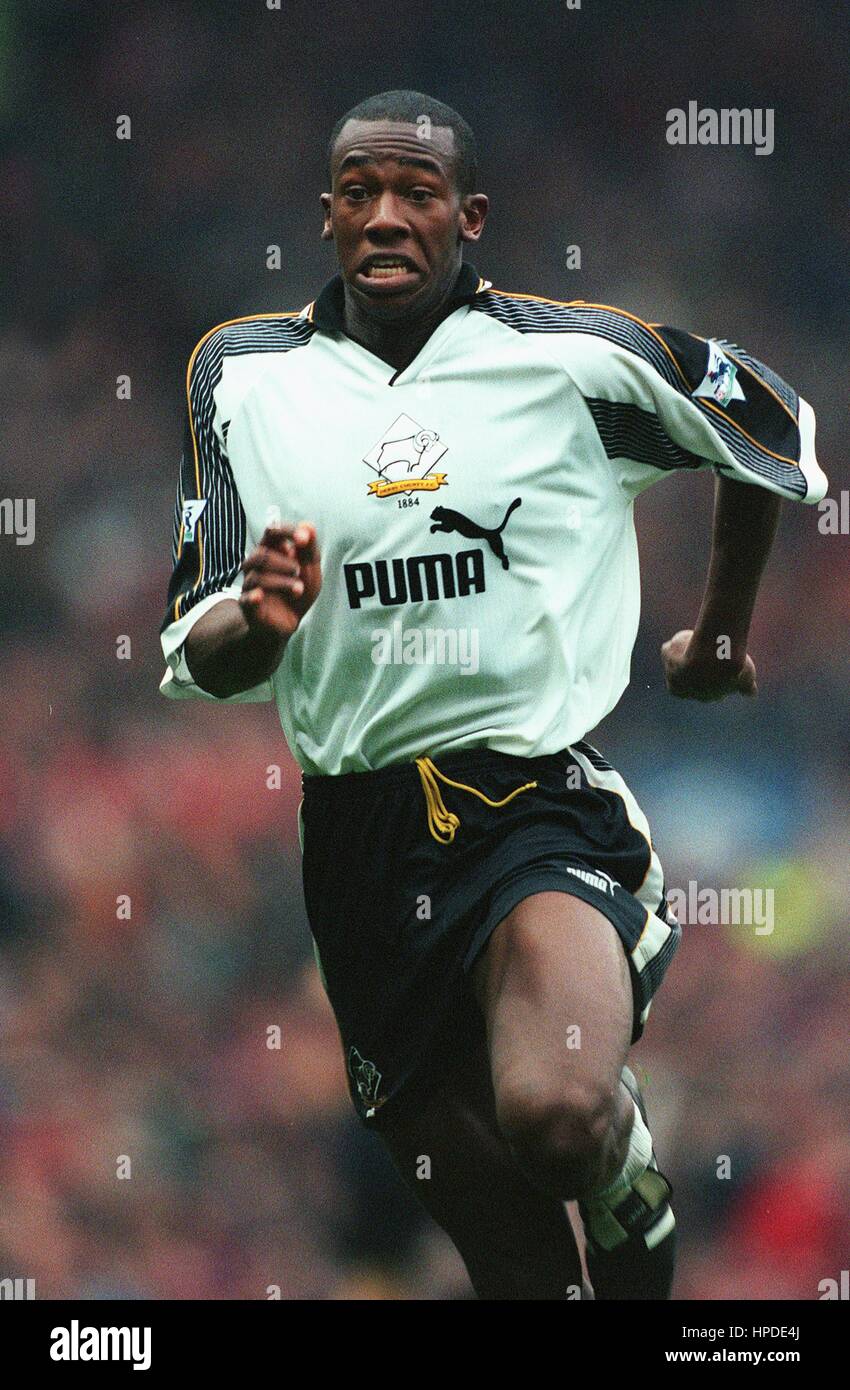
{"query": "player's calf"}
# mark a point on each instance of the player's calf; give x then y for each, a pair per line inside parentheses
(573, 1116)
(516, 1241)
(629, 1224)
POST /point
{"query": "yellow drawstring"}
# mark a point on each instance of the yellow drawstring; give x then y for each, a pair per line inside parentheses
(443, 823)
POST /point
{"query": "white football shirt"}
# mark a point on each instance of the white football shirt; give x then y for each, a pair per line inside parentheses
(474, 510)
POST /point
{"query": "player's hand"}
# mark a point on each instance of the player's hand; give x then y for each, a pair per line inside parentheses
(694, 671)
(282, 578)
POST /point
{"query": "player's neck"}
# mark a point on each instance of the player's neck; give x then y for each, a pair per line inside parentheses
(395, 343)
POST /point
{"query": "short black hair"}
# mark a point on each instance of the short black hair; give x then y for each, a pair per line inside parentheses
(410, 106)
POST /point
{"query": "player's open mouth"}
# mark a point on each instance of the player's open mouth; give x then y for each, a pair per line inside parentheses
(387, 273)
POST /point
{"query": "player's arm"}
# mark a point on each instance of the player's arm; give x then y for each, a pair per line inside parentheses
(239, 643)
(229, 614)
(664, 400)
(711, 660)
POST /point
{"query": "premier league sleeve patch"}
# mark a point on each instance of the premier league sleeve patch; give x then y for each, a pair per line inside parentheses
(720, 382)
(191, 516)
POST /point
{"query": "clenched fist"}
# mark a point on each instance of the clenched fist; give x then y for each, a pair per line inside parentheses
(282, 578)
(694, 671)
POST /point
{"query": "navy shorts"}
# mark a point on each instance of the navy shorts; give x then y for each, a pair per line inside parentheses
(408, 870)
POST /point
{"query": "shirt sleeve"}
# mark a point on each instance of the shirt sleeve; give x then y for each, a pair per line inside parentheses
(209, 530)
(663, 399)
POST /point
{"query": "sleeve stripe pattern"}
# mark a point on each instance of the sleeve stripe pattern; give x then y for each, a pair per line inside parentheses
(674, 356)
(626, 431)
(594, 757)
(761, 432)
(211, 560)
(775, 468)
(177, 524)
(529, 315)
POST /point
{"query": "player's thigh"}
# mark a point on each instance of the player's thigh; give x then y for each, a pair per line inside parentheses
(555, 990)
(516, 1241)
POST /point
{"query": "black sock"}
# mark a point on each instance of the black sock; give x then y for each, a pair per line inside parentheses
(630, 1271)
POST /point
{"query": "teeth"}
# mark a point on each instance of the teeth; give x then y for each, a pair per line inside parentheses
(385, 270)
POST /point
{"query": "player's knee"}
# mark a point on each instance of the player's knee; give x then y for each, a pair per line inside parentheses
(560, 1138)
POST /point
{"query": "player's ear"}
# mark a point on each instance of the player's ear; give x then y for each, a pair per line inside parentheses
(326, 199)
(473, 212)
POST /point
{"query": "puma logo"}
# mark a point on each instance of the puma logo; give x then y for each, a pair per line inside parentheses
(449, 520)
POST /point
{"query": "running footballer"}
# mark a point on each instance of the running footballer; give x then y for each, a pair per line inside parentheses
(415, 468)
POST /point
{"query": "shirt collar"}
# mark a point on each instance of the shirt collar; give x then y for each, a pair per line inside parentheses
(328, 309)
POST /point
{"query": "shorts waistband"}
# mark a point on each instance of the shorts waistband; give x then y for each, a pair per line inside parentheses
(452, 763)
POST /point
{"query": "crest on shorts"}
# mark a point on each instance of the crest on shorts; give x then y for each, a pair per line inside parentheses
(367, 1079)
(404, 459)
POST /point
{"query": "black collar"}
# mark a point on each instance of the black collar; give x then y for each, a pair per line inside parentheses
(328, 310)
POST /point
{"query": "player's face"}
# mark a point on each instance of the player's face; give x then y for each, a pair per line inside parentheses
(396, 216)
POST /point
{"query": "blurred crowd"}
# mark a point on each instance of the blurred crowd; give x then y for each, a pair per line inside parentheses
(174, 1120)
